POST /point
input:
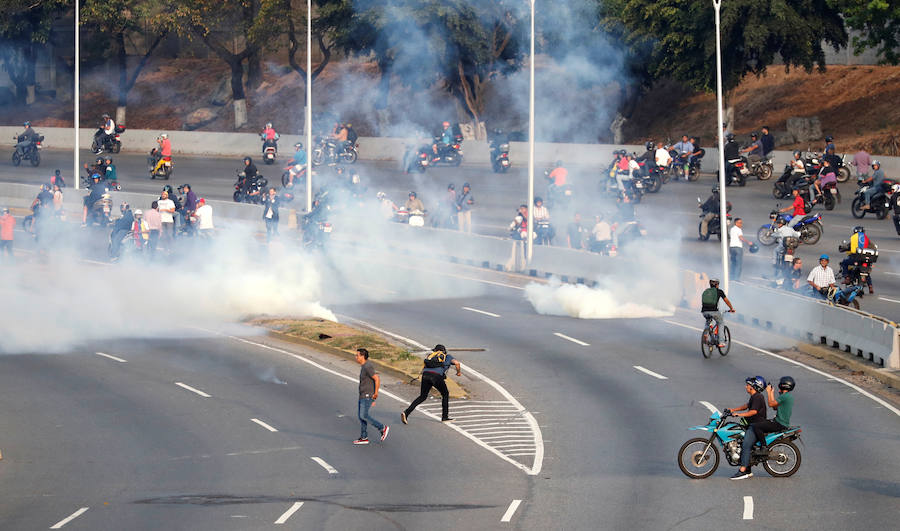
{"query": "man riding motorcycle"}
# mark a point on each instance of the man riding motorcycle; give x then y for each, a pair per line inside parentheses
(25, 139)
(876, 184)
(124, 225)
(165, 151)
(298, 163)
(755, 149)
(858, 242)
(445, 139)
(107, 132)
(96, 194)
(269, 137)
(711, 209)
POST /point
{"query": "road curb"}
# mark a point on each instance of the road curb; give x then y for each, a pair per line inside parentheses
(889, 377)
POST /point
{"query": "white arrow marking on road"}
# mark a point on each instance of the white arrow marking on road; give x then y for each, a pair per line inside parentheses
(287, 514)
(710, 407)
(572, 339)
(651, 373)
(191, 389)
(507, 516)
(120, 360)
(326, 466)
(264, 425)
(748, 507)
(489, 314)
(73, 516)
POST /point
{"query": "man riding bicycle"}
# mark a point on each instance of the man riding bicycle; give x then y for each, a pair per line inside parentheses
(710, 306)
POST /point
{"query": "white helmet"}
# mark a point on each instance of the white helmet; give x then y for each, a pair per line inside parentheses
(138, 213)
(268, 125)
(164, 135)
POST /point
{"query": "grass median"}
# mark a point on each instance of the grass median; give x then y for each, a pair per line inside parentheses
(343, 340)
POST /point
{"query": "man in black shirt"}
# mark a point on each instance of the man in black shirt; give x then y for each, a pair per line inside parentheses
(754, 411)
(767, 140)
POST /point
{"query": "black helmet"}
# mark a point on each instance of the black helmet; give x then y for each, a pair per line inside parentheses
(715, 189)
(412, 194)
(299, 145)
(649, 145)
(797, 153)
(713, 282)
(786, 383)
(756, 382)
(248, 159)
(439, 348)
(754, 135)
(168, 189)
(538, 200)
(858, 229)
(27, 124)
(729, 136)
(99, 160)
(451, 186)
(829, 138)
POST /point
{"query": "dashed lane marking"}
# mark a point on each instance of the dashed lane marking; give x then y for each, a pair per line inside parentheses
(287, 514)
(748, 507)
(572, 339)
(64, 521)
(651, 373)
(888, 300)
(120, 360)
(507, 516)
(326, 466)
(264, 425)
(191, 389)
(489, 314)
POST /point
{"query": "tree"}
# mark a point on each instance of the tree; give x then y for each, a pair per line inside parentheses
(24, 23)
(119, 20)
(879, 23)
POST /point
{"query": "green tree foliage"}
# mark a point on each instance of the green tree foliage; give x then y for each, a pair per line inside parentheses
(680, 35)
(24, 23)
(879, 24)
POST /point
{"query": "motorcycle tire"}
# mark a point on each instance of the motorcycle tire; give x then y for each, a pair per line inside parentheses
(117, 147)
(457, 160)
(693, 455)
(16, 158)
(237, 197)
(784, 459)
(777, 193)
(765, 237)
(765, 173)
(700, 234)
(856, 208)
(693, 175)
(742, 181)
(881, 213)
(810, 234)
(95, 148)
(350, 156)
(36, 158)
(318, 157)
(829, 202)
(654, 185)
(286, 180)
(843, 174)
(498, 168)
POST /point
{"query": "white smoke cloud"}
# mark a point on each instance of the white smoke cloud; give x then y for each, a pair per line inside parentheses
(583, 302)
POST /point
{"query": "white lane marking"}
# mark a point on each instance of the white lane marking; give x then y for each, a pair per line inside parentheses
(748, 507)
(799, 364)
(287, 514)
(120, 360)
(326, 466)
(191, 389)
(651, 373)
(888, 250)
(264, 425)
(572, 339)
(710, 407)
(71, 517)
(489, 314)
(507, 516)
(888, 300)
(889, 273)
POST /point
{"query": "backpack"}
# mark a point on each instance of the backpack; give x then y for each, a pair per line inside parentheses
(435, 359)
(710, 297)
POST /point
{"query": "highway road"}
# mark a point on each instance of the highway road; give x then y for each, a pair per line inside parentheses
(670, 214)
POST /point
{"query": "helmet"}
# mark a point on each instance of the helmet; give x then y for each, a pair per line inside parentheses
(248, 159)
(439, 348)
(466, 185)
(858, 228)
(124, 206)
(164, 135)
(797, 154)
(713, 282)
(446, 124)
(138, 213)
(451, 186)
(299, 145)
(787, 383)
(27, 124)
(268, 125)
(824, 257)
(105, 115)
(754, 135)
(875, 163)
(348, 125)
(95, 176)
(99, 160)
(715, 189)
(754, 248)
(168, 189)
(729, 136)
(380, 195)
(538, 200)
(896, 188)
(756, 382)
(649, 145)
(108, 158)
(829, 138)
(412, 194)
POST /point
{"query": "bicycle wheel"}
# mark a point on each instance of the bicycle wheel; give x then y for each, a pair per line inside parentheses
(705, 345)
(726, 340)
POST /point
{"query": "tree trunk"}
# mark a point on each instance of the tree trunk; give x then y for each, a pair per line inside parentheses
(240, 113)
(30, 64)
(254, 71)
(123, 75)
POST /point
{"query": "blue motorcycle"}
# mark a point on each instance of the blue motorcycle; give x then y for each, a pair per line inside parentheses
(810, 228)
(698, 458)
(846, 296)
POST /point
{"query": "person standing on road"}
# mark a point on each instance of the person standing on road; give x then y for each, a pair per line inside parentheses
(154, 226)
(755, 412)
(575, 233)
(270, 213)
(369, 383)
(204, 216)
(736, 243)
(7, 229)
(862, 160)
(167, 219)
(464, 209)
(767, 141)
(433, 375)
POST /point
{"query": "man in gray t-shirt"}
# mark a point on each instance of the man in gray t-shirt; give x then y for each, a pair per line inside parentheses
(369, 382)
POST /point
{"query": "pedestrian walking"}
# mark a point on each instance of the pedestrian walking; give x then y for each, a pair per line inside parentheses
(433, 375)
(153, 217)
(369, 383)
(7, 229)
(736, 243)
(167, 219)
(270, 213)
(464, 209)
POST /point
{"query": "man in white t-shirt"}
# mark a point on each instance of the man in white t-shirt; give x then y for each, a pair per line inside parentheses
(662, 156)
(204, 217)
(167, 215)
(736, 243)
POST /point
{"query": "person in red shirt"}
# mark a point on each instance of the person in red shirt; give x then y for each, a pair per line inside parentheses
(7, 225)
(165, 150)
(798, 207)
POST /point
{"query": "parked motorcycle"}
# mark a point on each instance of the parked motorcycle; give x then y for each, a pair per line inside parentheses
(111, 144)
(698, 458)
(31, 152)
(165, 169)
(810, 228)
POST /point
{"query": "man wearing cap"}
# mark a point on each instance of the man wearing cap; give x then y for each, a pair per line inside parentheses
(822, 276)
(7, 226)
(464, 204)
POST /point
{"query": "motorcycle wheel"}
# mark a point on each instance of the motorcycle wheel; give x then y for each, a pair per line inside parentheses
(811, 234)
(457, 160)
(742, 180)
(700, 234)
(36, 158)
(843, 174)
(856, 208)
(95, 148)
(695, 461)
(286, 180)
(237, 197)
(317, 157)
(16, 158)
(765, 237)
(829, 202)
(881, 213)
(726, 338)
(350, 156)
(654, 185)
(784, 459)
(777, 193)
(117, 147)
(693, 175)
(854, 303)
(419, 168)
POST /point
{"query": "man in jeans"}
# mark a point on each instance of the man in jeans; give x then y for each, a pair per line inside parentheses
(709, 300)
(434, 377)
(369, 383)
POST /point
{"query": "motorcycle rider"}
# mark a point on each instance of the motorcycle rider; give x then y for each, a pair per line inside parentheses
(414, 203)
(797, 206)
(821, 277)
(107, 132)
(165, 151)
(556, 178)
(755, 413)
(731, 151)
(498, 139)
(25, 139)
(96, 194)
(755, 149)
(795, 172)
(124, 225)
(858, 242)
(338, 139)
(444, 139)
(895, 204)
(298, 163)
(269, 137)
(875, 182)
(648, 158)
(98, 168)
(710, 209)
(709, 308)
(662, 157)
(684, 150)
(825, 177)
(519, 226)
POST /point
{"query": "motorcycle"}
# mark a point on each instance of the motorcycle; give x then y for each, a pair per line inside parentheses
(715, 225)
(500, 157)
(87, 179)
(315, 233)
(810, 228)
(830, 196)
(328, 152)
(270, 149)
(630, 232)
(860, 268)
(544, 231)
(165, 169)
(763, 168)
(737, 172)
(880, 205)
(99, 213)
(652, 179)
(451, 154)
(847, 296)
(784, 259)
(286, 178)
(31, 152)
(682, 161)
(843, 168)
(416, 159)
(249, 192)
(110, 144)
(415, 218)
(698, 458)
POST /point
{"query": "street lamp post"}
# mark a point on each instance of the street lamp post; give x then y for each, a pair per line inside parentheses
(77, 92)
(309, 146)
(530, 225)
(723, 211)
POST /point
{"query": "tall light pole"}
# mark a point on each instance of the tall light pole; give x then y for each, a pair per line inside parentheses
(309, 146)
(530, 225)
(723, 211)
(77, 91)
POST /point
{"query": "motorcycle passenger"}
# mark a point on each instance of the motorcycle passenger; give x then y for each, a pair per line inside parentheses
(825, 177)
(875, 182)
(754, 412)
(542, 214)
(732, 152)
(797, 207)
(858, 242)
(684, 149)
(269, 137)
(821, 277)
(519, 226)
(123, 226)
(110, 174)
(623, 171)
(444, 140)
(755, 149)
(662, 157)
(709, 308)
(414, 203)
(298, 163)
(96, 194)
(107, 131)
(25, 139)
(698, 152)
(784, 406)
(711, 209)
(165, 151)
(339, 138)
(98, 168)
(352, 136)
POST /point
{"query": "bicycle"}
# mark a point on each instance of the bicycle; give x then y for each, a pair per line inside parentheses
(708, 338)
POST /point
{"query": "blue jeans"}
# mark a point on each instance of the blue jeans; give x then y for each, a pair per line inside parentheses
(621, 177)
(364, 405)
(747, 446)
(737, 261)
(870, 193)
